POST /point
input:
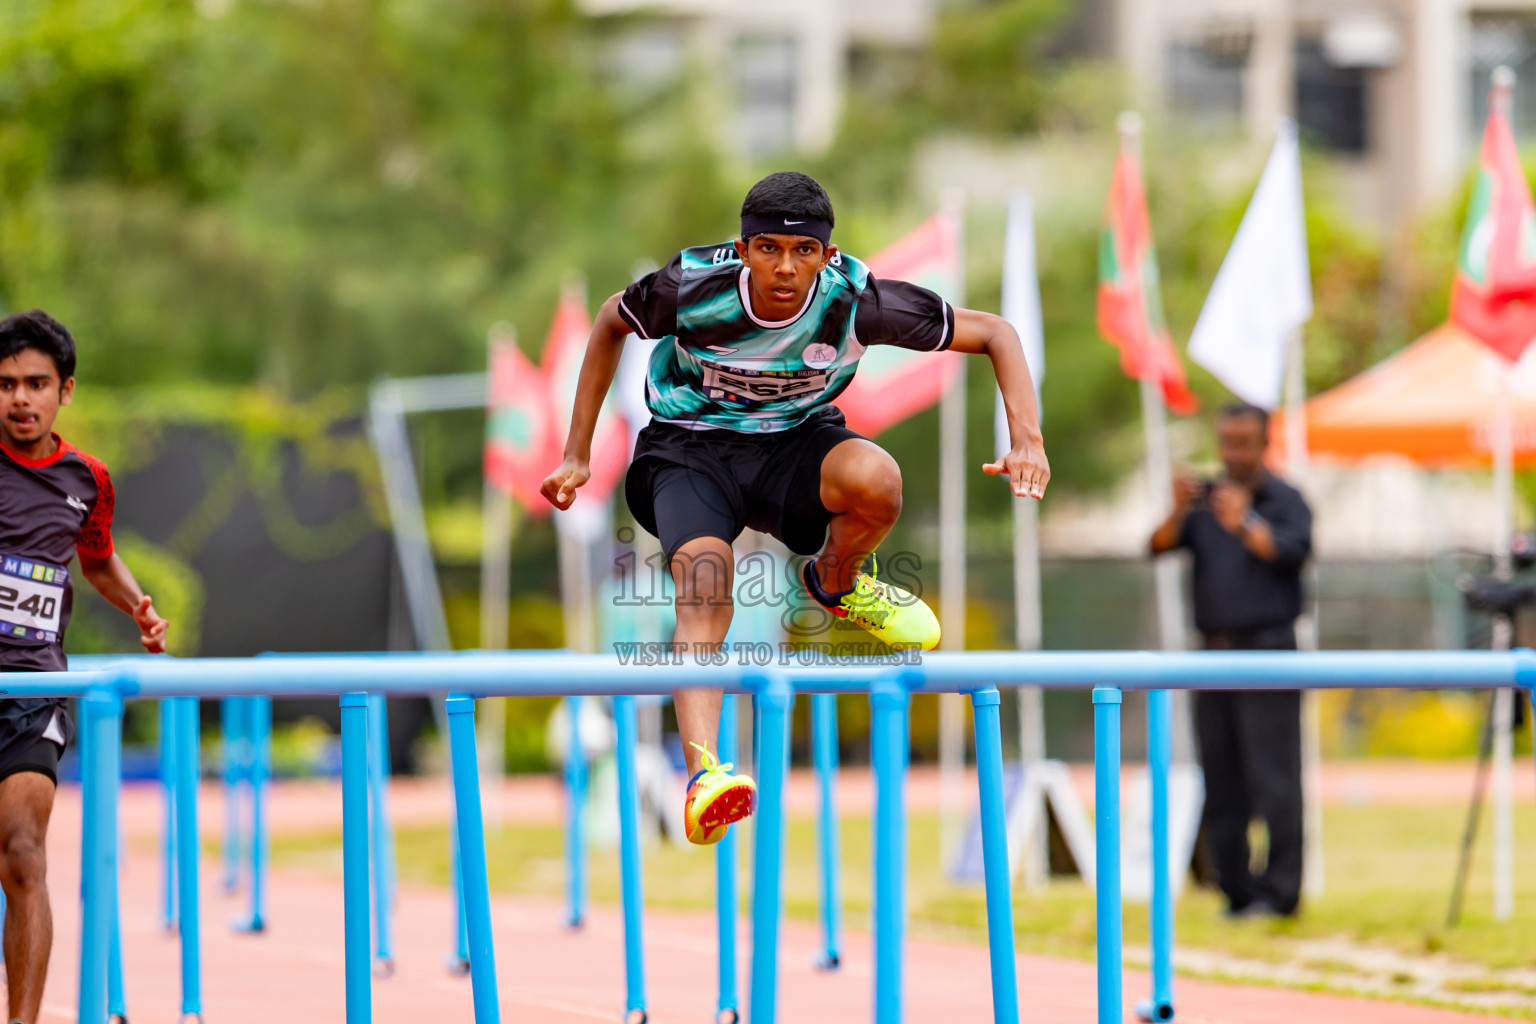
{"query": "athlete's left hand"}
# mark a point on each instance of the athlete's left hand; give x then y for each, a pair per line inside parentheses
(151, 626)
(1026, 469)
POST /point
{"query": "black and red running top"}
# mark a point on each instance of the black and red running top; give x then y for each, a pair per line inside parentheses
(49, 509)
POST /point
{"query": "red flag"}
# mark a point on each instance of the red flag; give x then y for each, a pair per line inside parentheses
(894, 383)
(520, 442)
(564, 349)
(1130, 296)
(1493, 296)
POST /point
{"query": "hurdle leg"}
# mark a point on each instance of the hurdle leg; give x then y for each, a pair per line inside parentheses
(231, 726)
(473, 878)
(1159, 758)
(1106, 812)
(168, 831)
(987, 708)
(187, 772)
(261, 773)
(824, 753)
(888, 740)
(354, 855)
(775, 701)
(727, 1008)
(102, 714)
(117, 999)
(575, 805)
(630, 882)
(384, 956)
(391, 872)
(458, 961)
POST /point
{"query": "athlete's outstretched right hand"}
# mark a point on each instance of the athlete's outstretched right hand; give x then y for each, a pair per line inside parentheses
(560, 486)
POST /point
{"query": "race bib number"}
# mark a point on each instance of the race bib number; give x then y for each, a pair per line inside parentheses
(31, 599)
(733, 384)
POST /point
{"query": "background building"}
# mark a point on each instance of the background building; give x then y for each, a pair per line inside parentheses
(1397, 88)
(780, 68)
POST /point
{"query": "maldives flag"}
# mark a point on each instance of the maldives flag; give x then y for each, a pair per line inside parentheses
(894, 383)
(1493, 296)
(563, 351)
(520, 442)
(1130, 297)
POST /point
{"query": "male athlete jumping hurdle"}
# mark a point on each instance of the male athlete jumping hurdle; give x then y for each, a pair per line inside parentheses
(757, 338)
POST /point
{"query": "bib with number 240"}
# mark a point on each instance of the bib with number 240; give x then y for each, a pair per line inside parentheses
(31, 599)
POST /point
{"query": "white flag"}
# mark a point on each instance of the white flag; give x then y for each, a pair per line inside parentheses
(1021, 299)
(1263, 291)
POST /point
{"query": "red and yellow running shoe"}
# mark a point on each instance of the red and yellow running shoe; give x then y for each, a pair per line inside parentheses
(716, 798)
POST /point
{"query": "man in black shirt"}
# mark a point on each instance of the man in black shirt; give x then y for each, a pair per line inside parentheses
(1248, 535)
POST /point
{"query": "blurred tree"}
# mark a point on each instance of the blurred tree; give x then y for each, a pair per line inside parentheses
(310, 195)
(985, 71)
(315, 194)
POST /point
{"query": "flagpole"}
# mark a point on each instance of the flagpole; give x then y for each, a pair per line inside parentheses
(1299, 466)
(579, 531)
(1154, 420)
(1504, 699)
(1021, 307)
(1028, 635)
(495, 586)
(1159, 461)
(1161, 710)
(1500, 99)
(952, 552)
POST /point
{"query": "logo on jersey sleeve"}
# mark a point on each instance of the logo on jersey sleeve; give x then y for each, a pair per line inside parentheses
(75, 503)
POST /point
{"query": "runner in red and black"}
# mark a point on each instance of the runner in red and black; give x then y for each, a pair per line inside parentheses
(55, 504)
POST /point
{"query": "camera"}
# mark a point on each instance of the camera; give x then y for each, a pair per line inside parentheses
(1498, 597)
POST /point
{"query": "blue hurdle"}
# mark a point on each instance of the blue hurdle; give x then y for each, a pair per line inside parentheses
(629, 862)
(247, 726)
(889, 687)
(260, 776)
(380, 844)
(168, 721)
(188, 766)
(824, 757)
(472, 868)
(728, 1005)
(575, 809)
(232, 725)
(1159, 758)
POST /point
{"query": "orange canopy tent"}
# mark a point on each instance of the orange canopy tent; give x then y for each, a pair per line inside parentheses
(1433, 402)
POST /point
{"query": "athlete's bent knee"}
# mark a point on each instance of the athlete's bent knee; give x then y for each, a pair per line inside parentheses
(709, 618)
(874, 492)
(25, 862)
(703, 577)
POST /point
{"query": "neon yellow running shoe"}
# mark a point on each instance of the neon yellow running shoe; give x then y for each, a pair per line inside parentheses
(895, 616)
(716, 798)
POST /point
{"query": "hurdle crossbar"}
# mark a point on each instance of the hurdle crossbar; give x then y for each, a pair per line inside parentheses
(890, 686)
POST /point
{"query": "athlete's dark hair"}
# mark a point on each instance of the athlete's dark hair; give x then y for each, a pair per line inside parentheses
(1239, 410)
(37, 330)
(791, 194)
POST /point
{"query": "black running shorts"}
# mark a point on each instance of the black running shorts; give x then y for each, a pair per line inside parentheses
(684, 484)
(23, 747)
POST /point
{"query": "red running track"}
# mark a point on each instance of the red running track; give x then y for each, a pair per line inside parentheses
(293, 973)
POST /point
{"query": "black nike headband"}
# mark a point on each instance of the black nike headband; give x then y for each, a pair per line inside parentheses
(786, 224)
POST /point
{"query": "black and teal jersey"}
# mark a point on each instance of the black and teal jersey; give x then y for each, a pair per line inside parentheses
(717, 365)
